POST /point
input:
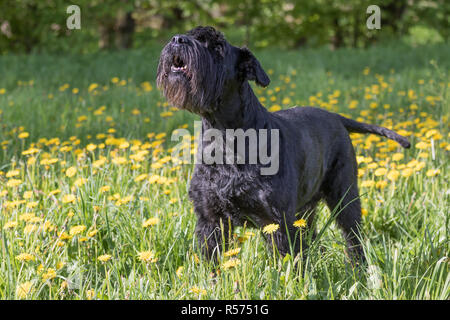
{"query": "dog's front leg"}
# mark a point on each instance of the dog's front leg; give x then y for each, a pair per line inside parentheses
(212, 236)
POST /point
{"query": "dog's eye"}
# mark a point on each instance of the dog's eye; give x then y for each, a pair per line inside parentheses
(219, 49)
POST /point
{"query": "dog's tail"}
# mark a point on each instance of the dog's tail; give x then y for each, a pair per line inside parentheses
(361, 127)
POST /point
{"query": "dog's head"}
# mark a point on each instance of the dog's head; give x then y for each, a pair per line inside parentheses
(198, 69)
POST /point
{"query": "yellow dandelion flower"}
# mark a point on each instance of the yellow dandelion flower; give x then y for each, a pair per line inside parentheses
(25, 257)
(80, 182)
(393, 175)
(150, 222)
(197, 290)
(105, 189)
(29, 228)
(381, 184)
(397, 156)
(275, 108)
(301, 223)
(70, 172)
(27, 194)
(53, 192)
(92, 87)
(232, 252)
(119, 160)
(10, 225)
(90, 294)
(367, 184)
(12, 183)
(407, 172)
(68, 198)
(147, 256)
(23, 135)
(372, 165)
(12, 173)
(49, 275)
(179, 271)
(24, 289)
(433, 172)
(271, 228)
(141, 177)
(422, 145)
(231, 264)
(380, 172)
(104, 257)
(77, 230)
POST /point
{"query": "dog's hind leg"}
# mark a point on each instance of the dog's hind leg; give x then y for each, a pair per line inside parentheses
(342, 197)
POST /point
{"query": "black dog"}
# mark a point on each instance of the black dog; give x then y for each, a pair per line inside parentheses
(201, 72)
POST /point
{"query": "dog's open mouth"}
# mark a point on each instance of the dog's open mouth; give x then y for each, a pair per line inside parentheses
(178, 65)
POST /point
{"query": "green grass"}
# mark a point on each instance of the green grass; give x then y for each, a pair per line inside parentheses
(405, 227)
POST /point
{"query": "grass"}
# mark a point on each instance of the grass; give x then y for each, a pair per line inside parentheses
(92, 206)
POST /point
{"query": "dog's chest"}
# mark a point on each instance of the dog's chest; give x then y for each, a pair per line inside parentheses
(228, 191)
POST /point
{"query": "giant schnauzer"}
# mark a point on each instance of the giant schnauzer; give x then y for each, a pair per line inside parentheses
(201, 72)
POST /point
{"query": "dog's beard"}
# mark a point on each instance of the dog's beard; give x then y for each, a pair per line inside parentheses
(188, 78)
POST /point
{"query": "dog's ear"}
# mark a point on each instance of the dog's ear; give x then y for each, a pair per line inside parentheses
(250, 69)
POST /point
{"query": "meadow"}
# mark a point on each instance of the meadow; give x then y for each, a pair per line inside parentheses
(93, 205)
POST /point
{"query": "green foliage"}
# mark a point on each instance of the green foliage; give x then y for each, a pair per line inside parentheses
(41, 25)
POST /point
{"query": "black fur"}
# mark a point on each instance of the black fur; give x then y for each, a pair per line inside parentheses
(316, 156)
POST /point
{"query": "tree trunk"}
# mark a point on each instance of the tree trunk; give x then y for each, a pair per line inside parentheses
(125, 26)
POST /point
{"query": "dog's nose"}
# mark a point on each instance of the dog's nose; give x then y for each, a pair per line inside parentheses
(179, 39)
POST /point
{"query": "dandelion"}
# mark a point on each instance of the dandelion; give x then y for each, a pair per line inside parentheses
(119, 160)
(12, 183)
(397, 156)
(381, 184)
(80, 182)
(92, 87)
(147, 256)
(301, 223)
(179, 272)
(104, 258)
(380, 172)
(54, 192)
(10, 225)
(70, 172)
(24, 289)
(77, 230)
(231, 264)
(275, 108)
(92, 233)
(29, 228)
(23, 135)
(393, 175)
(90, 294)
(271, 228)
(105, 189)
(68, 198)
(433, 172)
(367, 184)
(25, 257)
(422, 145)
(232, 252)
(49, 275)
(150, 222)
(12, 173)
(407, 172)
(197, 290)
(141, 177)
